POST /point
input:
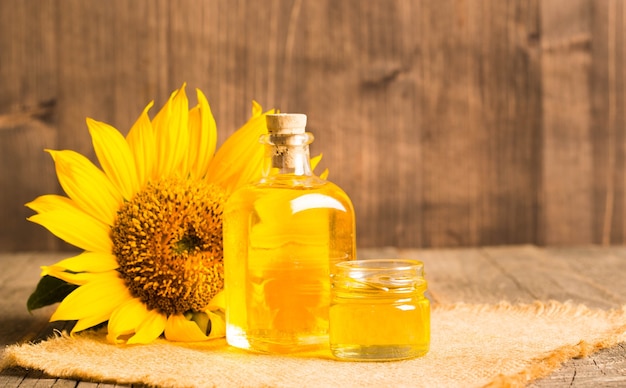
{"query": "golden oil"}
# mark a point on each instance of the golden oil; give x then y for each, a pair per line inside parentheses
(282, 236)
(378, 310)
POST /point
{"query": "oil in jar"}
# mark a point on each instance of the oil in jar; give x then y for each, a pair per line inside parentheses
(378, 310)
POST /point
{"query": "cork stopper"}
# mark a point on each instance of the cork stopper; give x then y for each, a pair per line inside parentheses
(286, 123)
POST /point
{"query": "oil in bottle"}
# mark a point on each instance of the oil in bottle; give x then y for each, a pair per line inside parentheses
(282, 237)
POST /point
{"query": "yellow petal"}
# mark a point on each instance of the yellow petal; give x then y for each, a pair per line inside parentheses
(142, 143)
(77, 228)
(91, 321)
(49, 202)
(88, 262)
(95, 300)
(315, 161)
(257, 110)
(218, 325)
(203, 137)
(149, 329)
(87, 185)
(238, 161)
(125, 319)
(115, 157)
(70, 277)
(178, 328)
(133, 317)
(218, 302)
(171, 126)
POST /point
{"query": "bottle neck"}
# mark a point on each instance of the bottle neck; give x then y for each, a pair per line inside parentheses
(287, 154)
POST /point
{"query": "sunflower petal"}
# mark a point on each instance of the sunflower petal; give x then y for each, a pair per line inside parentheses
(218, 302)
(77, 228)
(149, 329)
(171, 126)
(218, 325)
(257, 109)
(87, 185)
(115, 157)
(134, 317)
(93, 302)
(125, 319)
(49, 202)
(179, 329)
(88, 262)
(203, 137)
(315, 161)
(141, 141)
(79, 279)
(238, 161)
(91, 321)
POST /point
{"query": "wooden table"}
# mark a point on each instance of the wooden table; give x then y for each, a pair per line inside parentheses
(594, 276)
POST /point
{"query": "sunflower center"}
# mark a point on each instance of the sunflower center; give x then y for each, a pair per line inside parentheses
(168, 242)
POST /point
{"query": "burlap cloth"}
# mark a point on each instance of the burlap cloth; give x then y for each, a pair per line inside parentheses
(471, 345)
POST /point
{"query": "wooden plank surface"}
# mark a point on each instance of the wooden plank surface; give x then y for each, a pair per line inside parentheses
(519, 274)
(27, 106)
(455, 123)
(589, 275)
(608, 102)
(567, 153)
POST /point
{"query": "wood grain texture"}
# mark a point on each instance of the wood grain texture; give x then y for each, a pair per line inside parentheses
(27, 123)
(518, 274)
(455, 123)
(608, 105)
(567, 153)
(18, 279)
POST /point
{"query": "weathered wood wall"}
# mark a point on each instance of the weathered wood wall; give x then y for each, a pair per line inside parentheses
(450, 123)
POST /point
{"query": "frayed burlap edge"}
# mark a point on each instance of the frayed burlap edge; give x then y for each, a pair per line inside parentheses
(536, 368)
(543, 367)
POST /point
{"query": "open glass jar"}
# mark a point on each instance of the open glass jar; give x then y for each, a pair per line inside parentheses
(378, 310)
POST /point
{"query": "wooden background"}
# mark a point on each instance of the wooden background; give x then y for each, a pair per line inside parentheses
(449, 123)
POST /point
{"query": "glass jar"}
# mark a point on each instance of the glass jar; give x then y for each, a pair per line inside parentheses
(378, 310)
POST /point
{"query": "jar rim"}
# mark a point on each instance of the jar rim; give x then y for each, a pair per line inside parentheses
(398, 264)
(380, 274)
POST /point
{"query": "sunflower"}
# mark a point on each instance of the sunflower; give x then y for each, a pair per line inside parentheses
(149, 222)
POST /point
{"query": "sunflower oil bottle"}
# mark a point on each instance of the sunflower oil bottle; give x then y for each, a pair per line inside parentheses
(282, 237)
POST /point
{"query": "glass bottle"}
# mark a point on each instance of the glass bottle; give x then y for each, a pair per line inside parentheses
(282, 235)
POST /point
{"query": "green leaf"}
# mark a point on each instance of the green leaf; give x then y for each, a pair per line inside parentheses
(50, 290)
(201, 319)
